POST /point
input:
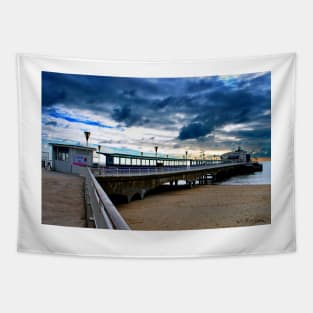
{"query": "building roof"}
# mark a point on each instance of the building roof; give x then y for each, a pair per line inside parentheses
(72, 146)
(143, 157)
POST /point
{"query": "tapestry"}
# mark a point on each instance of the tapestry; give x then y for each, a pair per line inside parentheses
(156, 159)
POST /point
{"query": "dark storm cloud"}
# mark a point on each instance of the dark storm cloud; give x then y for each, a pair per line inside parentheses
(127, 116)
(204, 84)
(194, 130)
(193, 107)
(51, 123)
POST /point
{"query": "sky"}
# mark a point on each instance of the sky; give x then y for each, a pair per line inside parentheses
(212, 114)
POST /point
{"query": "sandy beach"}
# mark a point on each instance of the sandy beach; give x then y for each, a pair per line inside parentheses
(204, 206)
(208, 206)
(63, 201)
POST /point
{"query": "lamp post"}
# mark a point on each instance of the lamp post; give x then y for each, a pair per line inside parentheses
(141, 153)
(156, 154)
(186, 152)
(87, 135)
(99, 149)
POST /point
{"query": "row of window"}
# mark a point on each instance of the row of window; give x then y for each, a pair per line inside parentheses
(127, 161)
(143, 162)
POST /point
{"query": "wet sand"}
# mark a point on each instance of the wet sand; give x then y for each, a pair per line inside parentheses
(208, 206)
(63, 200)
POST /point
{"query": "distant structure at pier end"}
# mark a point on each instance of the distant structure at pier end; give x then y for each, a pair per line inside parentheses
(239, 155)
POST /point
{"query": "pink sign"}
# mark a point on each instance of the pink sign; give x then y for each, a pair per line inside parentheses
(79, 160)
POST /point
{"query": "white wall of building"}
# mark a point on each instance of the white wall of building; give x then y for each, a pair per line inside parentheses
(77, 158)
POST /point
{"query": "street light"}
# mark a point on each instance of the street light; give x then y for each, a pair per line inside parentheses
(186, 152)
(156, 154)
(202, 157)
(87, 135)
(99, 149)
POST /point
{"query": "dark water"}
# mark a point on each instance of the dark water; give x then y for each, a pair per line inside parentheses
(257, 178)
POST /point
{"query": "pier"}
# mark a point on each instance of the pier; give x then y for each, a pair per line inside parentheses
(86, 198)
(134, 182)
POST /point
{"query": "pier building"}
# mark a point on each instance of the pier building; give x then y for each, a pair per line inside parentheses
(71, 158)
(131, 160)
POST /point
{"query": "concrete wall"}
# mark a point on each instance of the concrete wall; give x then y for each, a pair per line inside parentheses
(62, 166)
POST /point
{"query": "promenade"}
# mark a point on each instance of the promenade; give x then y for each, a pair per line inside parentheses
(63, 200)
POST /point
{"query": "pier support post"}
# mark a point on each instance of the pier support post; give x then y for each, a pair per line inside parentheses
(129, 198)
(213, 178)
(142, 194)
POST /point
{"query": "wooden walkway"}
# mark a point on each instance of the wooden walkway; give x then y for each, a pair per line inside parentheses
(63, 199)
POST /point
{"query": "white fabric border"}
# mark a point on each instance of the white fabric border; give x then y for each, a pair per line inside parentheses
(277, 237)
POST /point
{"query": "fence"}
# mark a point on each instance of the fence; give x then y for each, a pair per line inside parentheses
(101, 209)
(143, 171)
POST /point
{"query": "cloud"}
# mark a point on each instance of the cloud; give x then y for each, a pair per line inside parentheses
(126, 116)
(194, 130)
(194, 110)
(65, 117)
(51, 123)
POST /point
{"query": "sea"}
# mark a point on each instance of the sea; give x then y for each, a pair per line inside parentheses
(257, 178)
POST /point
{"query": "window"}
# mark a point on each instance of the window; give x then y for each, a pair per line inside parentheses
(61, 154)
(109, 160)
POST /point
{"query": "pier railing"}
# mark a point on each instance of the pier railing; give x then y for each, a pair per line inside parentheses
(143, 171)
(101, 209)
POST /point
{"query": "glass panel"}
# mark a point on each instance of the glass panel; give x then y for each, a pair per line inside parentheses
(62, 154)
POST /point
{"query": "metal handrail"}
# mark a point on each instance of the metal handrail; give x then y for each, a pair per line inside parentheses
(104, 211)
(102, 171)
